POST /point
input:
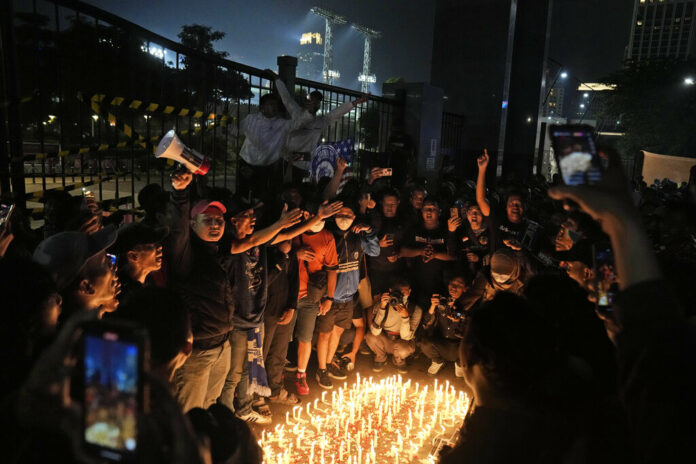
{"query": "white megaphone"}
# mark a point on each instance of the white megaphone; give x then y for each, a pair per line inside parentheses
(173, 148)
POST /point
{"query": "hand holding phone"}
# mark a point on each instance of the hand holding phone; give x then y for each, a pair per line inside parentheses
(576, 154)
(116, 357)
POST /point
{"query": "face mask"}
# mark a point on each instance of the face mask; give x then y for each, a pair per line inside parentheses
(343, 223)
(500, 278)
(318, 227)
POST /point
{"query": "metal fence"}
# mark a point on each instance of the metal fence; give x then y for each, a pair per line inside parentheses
(96, 93)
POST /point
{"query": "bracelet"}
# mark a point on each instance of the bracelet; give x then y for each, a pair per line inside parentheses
(327, 298)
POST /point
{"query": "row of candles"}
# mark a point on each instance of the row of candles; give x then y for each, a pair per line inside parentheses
(367, 423)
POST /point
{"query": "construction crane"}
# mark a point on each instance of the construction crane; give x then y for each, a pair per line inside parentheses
(366, 78)
(330, 18)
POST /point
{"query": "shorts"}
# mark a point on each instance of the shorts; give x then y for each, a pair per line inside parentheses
(357, 311)
(339, 315)
(307, 311)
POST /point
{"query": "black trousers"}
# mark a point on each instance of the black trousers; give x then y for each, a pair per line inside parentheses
(275, 349)
(440, 349)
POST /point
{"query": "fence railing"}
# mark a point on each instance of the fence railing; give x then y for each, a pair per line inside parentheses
(98, 92)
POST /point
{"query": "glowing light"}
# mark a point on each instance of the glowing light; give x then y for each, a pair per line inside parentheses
(564, 75)
(371, 78)
(333, 73)
(689, 80)
(308, 37)
(369, 422)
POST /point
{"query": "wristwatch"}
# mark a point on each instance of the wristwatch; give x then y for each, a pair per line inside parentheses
(325, 298)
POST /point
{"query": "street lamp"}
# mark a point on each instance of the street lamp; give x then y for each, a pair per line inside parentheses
(564, 75)
(95, 118)
(688, 81)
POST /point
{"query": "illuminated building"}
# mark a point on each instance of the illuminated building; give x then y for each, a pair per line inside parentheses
(662, 29)
(310, 57)
(369, 422)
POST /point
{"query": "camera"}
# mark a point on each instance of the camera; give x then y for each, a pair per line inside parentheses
(444, 300)
(396, 298)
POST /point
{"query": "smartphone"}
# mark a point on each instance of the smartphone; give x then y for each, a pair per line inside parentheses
(576, 154)
(454, 212)
(112, 258)
(531, 235)
(386, 172)
(606, 285)
(6, 214)
(115, 359)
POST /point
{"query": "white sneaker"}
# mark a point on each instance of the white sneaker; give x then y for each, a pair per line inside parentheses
(435, 368)
(255, 418)
(458, 370)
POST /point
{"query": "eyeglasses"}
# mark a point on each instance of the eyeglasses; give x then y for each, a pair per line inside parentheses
(213, 220)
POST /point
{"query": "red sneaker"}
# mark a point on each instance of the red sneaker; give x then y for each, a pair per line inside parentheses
(301, 384)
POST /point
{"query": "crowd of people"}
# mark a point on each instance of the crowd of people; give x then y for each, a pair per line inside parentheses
(238, 291)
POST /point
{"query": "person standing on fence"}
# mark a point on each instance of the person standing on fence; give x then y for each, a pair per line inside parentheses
(266, 135)
(304, 139)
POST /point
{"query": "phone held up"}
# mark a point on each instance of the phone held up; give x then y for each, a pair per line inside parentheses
(6, 214)
(116, 394)
(576, 154)
(606, 284)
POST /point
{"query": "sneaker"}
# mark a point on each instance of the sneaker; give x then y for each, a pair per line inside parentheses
(378, 366)
(364, 349)
(290, 366)
(336, 372)
(458, 370)
(323, 379)
(284, 397)
(345, 363)
(301, 384)
(401, 367)
(435, 368)
(255, 418)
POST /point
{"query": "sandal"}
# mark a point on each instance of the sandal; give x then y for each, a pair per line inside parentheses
(284, 397)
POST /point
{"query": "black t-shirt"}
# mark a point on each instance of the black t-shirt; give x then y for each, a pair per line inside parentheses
(503, 229)
(249, 274)
(427, 277)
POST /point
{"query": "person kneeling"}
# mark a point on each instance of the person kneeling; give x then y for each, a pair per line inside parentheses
(444, 326)
(393, 326)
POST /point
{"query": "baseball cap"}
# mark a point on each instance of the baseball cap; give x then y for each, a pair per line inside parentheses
(66, 253)
(137, 233)
(203, 205)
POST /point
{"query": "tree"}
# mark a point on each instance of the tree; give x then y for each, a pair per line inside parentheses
(655, 106)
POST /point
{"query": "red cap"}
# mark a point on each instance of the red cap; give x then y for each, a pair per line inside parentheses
(203, 205)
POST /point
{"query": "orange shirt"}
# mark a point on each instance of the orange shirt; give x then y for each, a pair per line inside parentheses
(324, 247)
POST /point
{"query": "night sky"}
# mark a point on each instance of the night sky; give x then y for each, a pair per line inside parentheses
(587, 36)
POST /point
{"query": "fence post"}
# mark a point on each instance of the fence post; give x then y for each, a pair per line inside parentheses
(287, 66)
(11, 163)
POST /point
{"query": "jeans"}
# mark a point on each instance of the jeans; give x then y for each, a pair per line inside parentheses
(275, 350)
(238, 377)
(382, 345)
(440, 349)
(199, 382)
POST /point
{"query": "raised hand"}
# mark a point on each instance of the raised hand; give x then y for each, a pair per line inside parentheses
(360, 100)
(361, 228)
(341, 164)
(375, 173)
(181, 180)
(386, 241)
(454, 223)
(290, 218)
(326, 209)
(483, 160)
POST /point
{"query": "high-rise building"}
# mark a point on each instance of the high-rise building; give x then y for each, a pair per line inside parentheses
(662, 29)
(553, 107)
(310, 57)
(489, 56)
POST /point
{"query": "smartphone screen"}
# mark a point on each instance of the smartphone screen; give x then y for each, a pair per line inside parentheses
(113, 391)
(6, 214)
(576, 154)
(605, 276)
